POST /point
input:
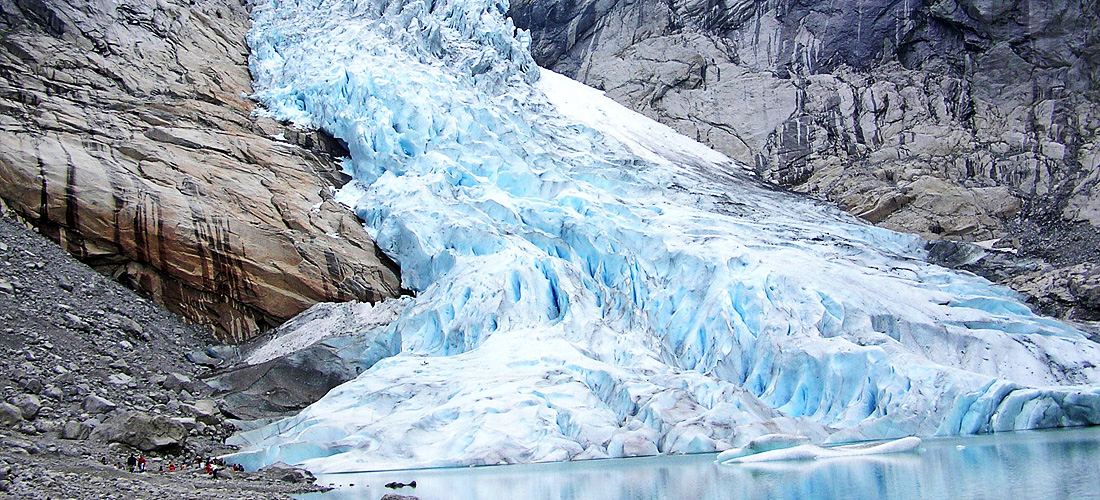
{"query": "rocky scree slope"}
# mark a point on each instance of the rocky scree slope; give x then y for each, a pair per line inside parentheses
(126, 135)
(957, 120)
(90, 372)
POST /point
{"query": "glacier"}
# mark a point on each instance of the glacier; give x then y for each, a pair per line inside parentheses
(589, 284)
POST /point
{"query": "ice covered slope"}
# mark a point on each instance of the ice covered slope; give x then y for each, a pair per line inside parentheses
(589, 284)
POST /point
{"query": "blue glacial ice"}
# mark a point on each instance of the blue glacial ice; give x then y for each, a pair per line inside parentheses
(590, 284)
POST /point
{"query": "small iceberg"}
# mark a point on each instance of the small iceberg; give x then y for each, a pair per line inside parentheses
(767, 442)
(814, 452)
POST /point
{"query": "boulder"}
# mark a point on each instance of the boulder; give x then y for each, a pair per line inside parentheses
(78, 430)
(34, 385)
(190, 424)
(205, 411)
(53, 392)
(29, 404)
(95, 405)
(31, 447)
(176, 382)
(287, 473)
(283, 385)
(10, 415)
(119, 379)
(142, 430)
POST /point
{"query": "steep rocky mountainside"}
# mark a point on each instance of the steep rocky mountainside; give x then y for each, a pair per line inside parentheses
(90, 373)
(953, 119)
(126, 135)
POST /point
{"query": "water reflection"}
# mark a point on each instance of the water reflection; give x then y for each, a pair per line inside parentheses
(1031, 465)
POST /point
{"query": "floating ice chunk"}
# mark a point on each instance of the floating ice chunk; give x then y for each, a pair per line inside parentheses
(814, 452)
(767, 442)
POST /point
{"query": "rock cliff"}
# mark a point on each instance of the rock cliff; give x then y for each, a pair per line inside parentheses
(126, 135)
(962, 120)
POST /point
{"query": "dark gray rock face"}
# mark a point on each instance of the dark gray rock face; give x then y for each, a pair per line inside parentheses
(953, 119)
(291, 368)
(281, 386)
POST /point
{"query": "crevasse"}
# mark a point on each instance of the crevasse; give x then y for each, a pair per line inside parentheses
(590, 284)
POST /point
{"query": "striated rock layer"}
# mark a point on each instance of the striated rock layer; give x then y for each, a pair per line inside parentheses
(958, 120)
(125, 134)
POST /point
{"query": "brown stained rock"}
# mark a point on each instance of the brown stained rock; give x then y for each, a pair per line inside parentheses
(132, 145)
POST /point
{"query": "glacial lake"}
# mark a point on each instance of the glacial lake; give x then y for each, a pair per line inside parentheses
(1060, 464)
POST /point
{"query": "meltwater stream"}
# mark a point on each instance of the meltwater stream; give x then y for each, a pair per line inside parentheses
(589, 284)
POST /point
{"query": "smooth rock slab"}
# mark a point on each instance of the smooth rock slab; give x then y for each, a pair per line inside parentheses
(142, 431)
(94, 404)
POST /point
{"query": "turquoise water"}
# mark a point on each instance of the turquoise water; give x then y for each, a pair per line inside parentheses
(1062, 464)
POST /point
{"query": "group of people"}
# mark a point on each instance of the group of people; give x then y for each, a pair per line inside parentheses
(133, 463)
(213, 464)
(136, 463)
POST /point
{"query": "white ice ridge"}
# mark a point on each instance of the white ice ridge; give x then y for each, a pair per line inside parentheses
(590, 285)
(814, 452)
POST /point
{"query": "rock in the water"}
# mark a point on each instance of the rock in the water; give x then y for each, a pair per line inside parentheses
(142, 431)
(288, 473)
